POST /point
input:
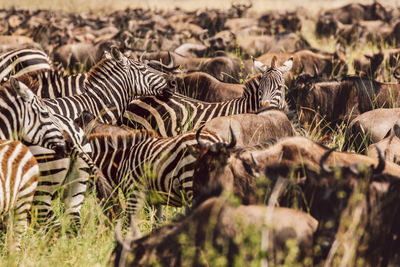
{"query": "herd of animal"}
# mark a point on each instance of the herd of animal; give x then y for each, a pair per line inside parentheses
(154, 105)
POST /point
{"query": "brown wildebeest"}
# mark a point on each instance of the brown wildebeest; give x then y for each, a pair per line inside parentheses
(253, 129)
(390, 146)
(90, 124)
(335, 101)
(371, 127)
(203, 86)
(237, 169)
(219, 227)
(225, 69)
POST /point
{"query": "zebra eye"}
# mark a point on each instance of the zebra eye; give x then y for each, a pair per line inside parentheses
(45, 114)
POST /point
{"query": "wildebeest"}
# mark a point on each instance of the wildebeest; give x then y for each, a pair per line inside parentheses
(218, 228)
(203, 86)
(370, 127)
(390, 146)
(335, 101)
(225, 69)
(253, 129)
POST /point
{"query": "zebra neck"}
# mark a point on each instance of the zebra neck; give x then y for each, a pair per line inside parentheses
(251, 93)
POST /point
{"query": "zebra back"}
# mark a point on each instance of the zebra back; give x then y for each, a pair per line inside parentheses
(54, 84)
(18, 62)
(19, 174)
(111, 85)
(178, 114)
(141, 163)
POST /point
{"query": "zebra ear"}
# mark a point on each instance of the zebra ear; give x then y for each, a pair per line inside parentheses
(259, 66)
(21, 89)
(287, 66)
(116, 54)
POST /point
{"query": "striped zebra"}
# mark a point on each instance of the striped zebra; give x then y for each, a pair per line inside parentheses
(145, 166)
(18, 180)
(176, 114)
(272, 83)
(110, 86)
(23, 116)
(18, 62)
(55, 84)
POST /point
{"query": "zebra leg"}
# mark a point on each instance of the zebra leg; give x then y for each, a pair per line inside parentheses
(76, 184)
(52, 174)
(21, 209)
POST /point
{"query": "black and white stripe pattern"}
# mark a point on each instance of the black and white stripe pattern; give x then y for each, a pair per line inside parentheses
(23, 116)
(67, 175)
(18, 62)
(177, 114)
(272, 84)
(19, 172)
(54, 84)
(144, 165)
(111, 85)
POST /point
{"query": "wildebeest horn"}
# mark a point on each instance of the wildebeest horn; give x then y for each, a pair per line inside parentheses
(233, 139)
(322, 162)
(381, 164)
(316, 73)
(255, 162)
(141, 56)
(201, 144)
(396, 73)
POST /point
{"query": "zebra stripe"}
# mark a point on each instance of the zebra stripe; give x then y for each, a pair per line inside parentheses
(111, 85)
(53, 84)
(177, 114)
(273, 84)
(58, 173)
(23, 116)
(19, 173)
(18, 62)
(141, 163)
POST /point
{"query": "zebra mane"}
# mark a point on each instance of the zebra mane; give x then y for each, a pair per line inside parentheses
(116, 140)
(96, 68)
(30, 80)
(255, 79)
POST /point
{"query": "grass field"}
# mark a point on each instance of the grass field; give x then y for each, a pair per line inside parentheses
(95, 241)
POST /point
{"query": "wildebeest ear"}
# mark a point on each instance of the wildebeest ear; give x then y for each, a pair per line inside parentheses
(21, 89)
(396, 130)
(193, 151)
(287, 66)
(116, 54)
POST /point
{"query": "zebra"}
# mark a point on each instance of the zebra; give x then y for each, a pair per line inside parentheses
(177, 113)
(18, 180)
(272, 83)
(18, 62)
(110, 86)
(24, 117)
(55, 84)
(146, 166)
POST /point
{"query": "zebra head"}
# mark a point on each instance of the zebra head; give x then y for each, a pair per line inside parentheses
(37, 125)
(141, 79)
(272, 83)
